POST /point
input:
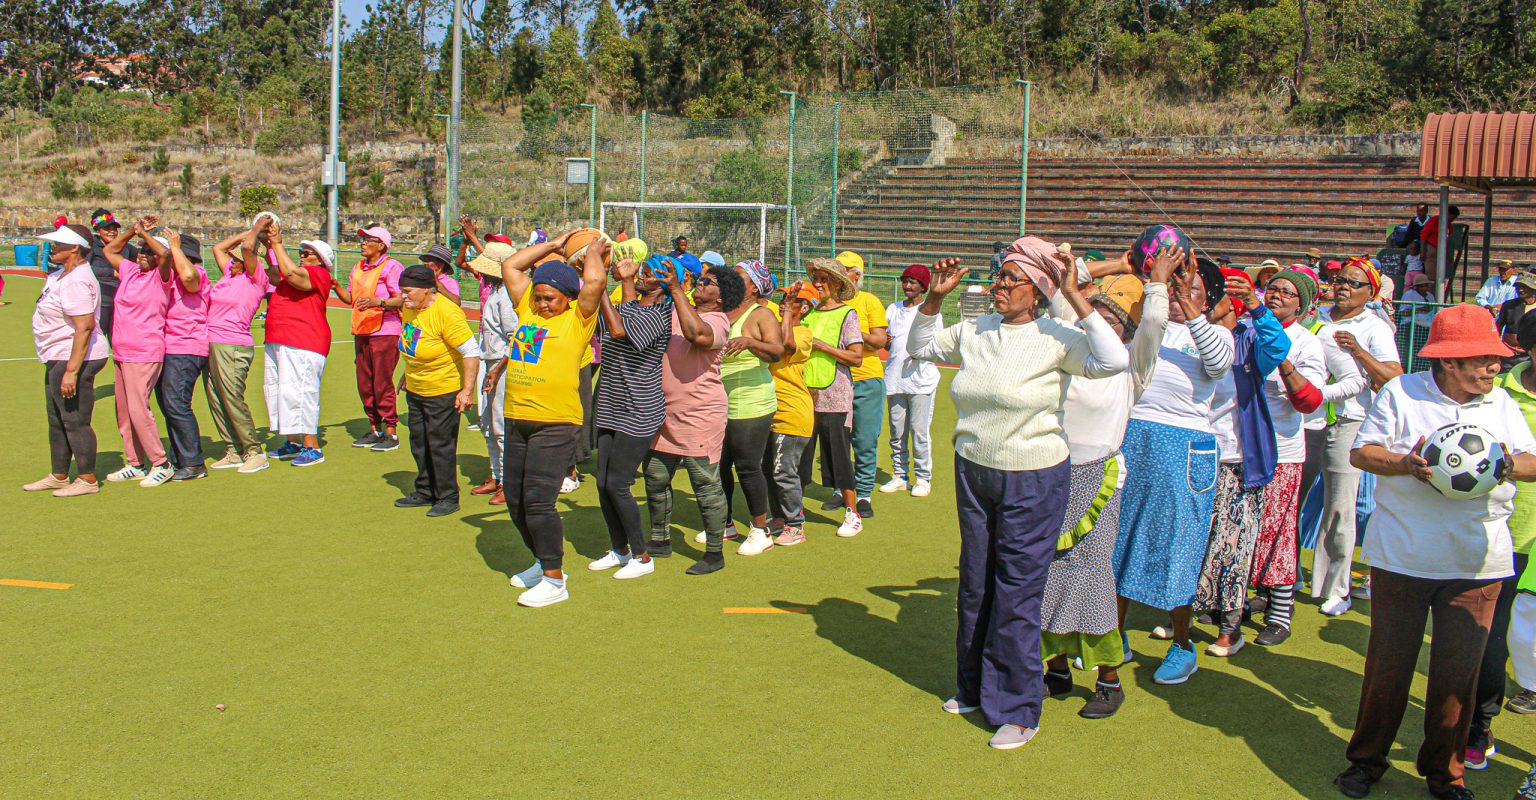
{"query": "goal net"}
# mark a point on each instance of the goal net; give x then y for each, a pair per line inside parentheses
(737, 231)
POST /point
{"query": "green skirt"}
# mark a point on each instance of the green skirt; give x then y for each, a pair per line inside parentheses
(1096, 649)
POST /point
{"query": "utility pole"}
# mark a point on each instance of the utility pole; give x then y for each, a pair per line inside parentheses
(334, 171)
(1024, 158)
(789, 191)
(591, 168)
(456, 103)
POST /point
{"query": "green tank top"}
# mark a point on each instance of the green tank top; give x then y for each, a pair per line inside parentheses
(748, 383)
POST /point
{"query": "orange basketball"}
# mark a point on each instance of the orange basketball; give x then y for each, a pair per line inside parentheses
(576, 245)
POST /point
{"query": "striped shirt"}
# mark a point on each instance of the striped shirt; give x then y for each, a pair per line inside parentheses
(629, 398)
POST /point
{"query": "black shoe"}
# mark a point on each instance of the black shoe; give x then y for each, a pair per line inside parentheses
(1354, 782)
(442, 508)
(661, 548)
(711, 562)
(1272, 635)
(1104, 703)
(833, 504)
(1206, 619)
(865, 509)
(386, 443)
(189, 473)
(367, 441)
(413, 500)
(1057, 684)
(1258, 604)
(1455, 793)
(1522, 703)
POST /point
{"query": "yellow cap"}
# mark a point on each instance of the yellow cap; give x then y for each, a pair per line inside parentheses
(851, 260)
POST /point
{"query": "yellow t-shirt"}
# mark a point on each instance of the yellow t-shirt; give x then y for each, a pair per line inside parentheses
(871, 316)
(796, 415)
(543, 361)
(429, 339)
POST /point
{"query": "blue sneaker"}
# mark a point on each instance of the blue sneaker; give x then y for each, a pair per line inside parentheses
(309, 458)
(1177, 666)
(288, 451)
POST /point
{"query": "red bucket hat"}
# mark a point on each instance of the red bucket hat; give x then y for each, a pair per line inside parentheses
(1463, 331)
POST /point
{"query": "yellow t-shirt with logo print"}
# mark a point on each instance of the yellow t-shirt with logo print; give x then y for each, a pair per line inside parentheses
(429, 341)
(871, 316)
(544, 360)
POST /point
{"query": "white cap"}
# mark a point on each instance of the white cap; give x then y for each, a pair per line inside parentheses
(164, 242)
(66, 236)
(324, 250)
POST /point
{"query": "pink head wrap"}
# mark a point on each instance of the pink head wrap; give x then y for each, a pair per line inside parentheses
(1037, 258)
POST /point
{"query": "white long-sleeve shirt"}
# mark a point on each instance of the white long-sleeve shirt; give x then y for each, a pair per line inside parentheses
(1012, 382)
(1193, 357)
(1098, 409)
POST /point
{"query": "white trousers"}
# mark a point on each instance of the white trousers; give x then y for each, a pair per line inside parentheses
(1522, 639)
(291, 385)
(493, 423)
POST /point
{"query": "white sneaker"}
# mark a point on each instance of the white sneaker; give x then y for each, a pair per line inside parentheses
(922, 489)
(127, 473)
(530, 577)
(893, 486)
(1361, 592)
(569, 485)
(609, 560)
(635, 569)
(757, 542)
(852, 524)
(545, 594)
(1335, 606)
(701, 538)
(157, 476)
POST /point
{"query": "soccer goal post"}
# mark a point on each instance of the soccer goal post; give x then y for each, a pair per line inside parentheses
(735, 230)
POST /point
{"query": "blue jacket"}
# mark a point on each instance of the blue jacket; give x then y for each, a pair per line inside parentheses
(1261, 344)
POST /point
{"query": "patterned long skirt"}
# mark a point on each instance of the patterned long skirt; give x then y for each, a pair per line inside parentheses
(1274, 556)
(1234, 532)
(1080, 583)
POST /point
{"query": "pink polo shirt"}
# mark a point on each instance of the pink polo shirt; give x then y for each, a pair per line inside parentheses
(186, 321)
(65, 295)
(448, 284)
(232, 302)
(389, 286)
(138, 315)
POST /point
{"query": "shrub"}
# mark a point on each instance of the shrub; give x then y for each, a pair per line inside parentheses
(149, 127)
(186, 180)
(63, 186)
(95, 190)
(224, 187)
(159, 162)
(256, 199)
(288, 133)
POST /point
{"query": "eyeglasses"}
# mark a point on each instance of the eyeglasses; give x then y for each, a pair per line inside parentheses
(705, 282)
(1005, 281)
(1276, 290)
(1350, 282)
(372, 240)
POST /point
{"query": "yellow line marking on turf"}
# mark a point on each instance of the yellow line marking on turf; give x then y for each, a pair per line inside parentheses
(765, 611)
(33, 584)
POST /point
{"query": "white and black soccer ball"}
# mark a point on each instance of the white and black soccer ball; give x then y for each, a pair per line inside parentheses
(1465, 461)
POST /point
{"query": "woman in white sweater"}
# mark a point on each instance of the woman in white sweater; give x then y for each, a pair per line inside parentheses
(1171, 457)
(1011, 468)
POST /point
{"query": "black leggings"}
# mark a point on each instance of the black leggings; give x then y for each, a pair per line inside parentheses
(835, 443)
(70, 436)
(745, 442)
(618, 461)
(535, 458)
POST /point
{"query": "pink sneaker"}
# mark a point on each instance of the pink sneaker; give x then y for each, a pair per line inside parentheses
(792, 535)
(48, 483)
(78, 488)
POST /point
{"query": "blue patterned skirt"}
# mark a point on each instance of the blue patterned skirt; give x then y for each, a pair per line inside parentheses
(1165, 513)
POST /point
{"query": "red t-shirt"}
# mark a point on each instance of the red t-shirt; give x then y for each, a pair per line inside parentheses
(296, 318)
(1430, 233)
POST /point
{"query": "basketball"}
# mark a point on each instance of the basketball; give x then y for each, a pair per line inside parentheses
(576, 244)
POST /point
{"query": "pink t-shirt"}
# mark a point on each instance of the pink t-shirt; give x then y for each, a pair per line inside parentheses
(690, 383)
(186, 321)
(72, 294)
(448, 285)
(232, 302)
(388, 286)
(138, 315)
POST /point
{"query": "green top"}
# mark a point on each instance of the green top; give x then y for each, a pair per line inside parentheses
(1522, 523)
(749, 391)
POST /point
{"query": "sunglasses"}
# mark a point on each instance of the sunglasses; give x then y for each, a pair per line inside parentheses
(308, 254)
(1350, 282)
(704, 282)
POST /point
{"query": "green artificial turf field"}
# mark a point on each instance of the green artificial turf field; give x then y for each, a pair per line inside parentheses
(365, 651)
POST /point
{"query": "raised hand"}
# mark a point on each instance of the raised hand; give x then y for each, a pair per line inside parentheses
(173, 236)
(1165, 263)
(947, 275)
(625, 269)
(275, 234)
(1242, 290)
(467, 225)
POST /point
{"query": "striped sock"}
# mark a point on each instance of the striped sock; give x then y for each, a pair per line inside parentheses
(1281, 600)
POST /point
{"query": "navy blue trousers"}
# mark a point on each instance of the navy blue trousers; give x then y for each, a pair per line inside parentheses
(1009, 523)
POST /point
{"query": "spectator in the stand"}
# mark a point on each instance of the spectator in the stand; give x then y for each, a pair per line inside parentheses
(1420, 218)
(997, 258)
(1514, 309)
(1315, 259)
(1498, 289)
(1414, 261)
(1429, 239)
(1266, 270)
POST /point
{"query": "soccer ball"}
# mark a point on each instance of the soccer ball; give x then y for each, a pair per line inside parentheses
(1465, 461)
(1154, 239)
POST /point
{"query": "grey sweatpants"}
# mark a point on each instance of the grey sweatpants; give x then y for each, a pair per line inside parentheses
(704, 476)
(786, 497)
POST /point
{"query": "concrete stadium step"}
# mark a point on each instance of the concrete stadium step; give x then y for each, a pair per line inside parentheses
(1298, 226)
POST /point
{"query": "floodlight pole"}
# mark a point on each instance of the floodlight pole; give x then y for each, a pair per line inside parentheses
(333, 192)
(789, 191)
(645, 124)
(1024, 157)
(591, 168)
(455, 116)
(837, 152)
